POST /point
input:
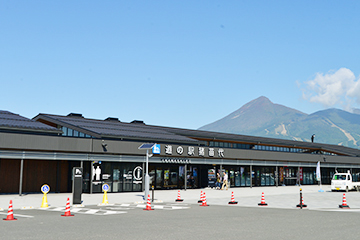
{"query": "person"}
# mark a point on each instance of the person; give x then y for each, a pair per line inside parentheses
(218, 181)
(225, 181)
(188, 180)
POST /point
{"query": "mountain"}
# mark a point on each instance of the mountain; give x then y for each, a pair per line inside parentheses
(263, 118)
(356, 110)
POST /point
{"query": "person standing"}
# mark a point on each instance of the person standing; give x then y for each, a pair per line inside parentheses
(218, 181)
(225, 181)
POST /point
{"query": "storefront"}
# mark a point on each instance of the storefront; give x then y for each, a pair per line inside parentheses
(44, 150)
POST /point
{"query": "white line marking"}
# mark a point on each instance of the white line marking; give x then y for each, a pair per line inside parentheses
(55, 209)
(112, 212)
(91, 211)
(19, 215)
(158, 207)
(76, 209)
(119, 208)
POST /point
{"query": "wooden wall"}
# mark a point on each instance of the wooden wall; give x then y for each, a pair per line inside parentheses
(36, 173)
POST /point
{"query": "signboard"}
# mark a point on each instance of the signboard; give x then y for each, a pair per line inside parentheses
(105, 187)
(281, 174)
(78, 172)
(156, 149)
(137, 175)
(194, 151)
(77, 184)
(45, 188)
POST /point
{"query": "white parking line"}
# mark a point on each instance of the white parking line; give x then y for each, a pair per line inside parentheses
(158, 207)
(76, 209)
(336, 210)
(19, 215)
(91, 211)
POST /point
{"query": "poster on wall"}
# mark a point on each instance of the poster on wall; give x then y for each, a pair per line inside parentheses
(211, 173)
(96, 171)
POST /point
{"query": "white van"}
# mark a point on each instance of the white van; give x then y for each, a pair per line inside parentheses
(343, 181)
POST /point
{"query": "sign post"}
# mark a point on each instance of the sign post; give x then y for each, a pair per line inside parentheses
(77, 184)
(148, 146)
(44, 189)
(105, 188)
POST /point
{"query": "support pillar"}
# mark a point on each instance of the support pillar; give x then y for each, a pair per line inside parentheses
(251, 176)
(21, 176)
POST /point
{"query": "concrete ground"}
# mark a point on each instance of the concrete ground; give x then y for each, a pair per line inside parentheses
(276, 197)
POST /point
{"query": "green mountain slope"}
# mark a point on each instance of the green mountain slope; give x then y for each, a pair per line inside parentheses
(261, 117)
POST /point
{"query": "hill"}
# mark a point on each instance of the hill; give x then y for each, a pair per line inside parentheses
(263, 118)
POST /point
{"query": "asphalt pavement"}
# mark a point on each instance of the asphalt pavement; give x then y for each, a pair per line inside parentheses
(276, 197)
(124, 217)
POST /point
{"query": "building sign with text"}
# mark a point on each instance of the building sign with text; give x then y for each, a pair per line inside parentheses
(193, 151)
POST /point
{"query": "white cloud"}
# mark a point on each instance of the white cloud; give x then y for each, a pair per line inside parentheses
(339, 88)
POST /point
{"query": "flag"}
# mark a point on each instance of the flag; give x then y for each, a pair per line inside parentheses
(318, 175)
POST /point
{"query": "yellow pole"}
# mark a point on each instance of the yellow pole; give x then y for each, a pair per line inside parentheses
(44, 203)
(105, 198)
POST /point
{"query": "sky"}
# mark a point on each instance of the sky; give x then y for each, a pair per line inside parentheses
(177, 63)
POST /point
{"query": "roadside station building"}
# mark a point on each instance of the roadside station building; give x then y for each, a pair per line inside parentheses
(45, 149)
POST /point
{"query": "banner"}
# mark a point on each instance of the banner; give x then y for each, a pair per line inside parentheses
(318, 175)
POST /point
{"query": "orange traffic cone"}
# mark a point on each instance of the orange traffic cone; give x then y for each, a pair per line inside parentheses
(344, 204)
(10, 215)
(232, 199)
(204, 204)
(263, 203)
(179, 198)
(148, 204)
(201, 197)
(302, 203)
(67, 209)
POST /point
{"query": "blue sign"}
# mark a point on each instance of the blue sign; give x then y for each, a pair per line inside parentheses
(156, 149)
(45, 188)
(105, 187)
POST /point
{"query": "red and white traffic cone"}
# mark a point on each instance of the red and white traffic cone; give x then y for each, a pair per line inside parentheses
(10, 214)
(204, 204)
(263, 203)
(201, 197)
(344, 204)
(302, 203)
(148, 204)
(179, 198)
(67, 209)
(232, 199)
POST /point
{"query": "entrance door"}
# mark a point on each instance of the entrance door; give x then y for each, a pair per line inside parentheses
(256, 181)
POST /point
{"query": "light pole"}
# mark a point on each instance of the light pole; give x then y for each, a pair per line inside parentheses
(147, 146)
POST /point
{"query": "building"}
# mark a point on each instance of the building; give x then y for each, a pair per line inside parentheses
(45, 149)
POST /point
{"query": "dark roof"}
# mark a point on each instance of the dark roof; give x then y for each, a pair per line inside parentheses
(218, 136)
(114, 129)
(117, 129)
(14, 122)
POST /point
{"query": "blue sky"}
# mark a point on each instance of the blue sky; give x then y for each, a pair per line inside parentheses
(177, 63)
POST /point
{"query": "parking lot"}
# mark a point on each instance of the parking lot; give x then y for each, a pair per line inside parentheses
(124, 216)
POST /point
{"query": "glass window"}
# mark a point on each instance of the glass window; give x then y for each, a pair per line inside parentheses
(70, 132)
(64, 129)
(81, 134)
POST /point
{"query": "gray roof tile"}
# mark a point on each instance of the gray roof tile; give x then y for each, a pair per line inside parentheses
(14, 121)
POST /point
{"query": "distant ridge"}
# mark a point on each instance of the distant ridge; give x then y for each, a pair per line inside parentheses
(261, 117)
